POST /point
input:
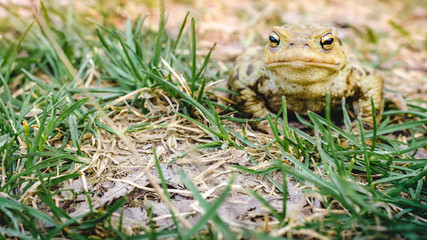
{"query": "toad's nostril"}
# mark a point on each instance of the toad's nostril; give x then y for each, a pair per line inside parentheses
(306, 45)
(292, 44)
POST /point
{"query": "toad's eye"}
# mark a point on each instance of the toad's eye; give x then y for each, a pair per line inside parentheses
(327, 41)
(274, 39)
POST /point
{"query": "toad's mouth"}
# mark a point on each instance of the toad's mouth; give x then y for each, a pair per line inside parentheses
(304, 64)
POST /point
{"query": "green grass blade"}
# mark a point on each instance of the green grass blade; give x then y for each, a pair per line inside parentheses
(374, 132)
(205, 62)
(406, 184)
(11, 204)
(365, 153)
(340, 165)
(193, 57)
(158, 45)
(211, 212)
(106, 127)
(114, 207)
(284, 197)
(347, 121)
(72, 123)
(268, 206)
(219, 223)
(68, 112)
(181, 30)
(165, 190)
(12, 58)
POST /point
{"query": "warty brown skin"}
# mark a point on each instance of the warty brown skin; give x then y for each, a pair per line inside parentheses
(304, 63)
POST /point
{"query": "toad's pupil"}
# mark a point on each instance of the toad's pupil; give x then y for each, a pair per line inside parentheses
(328, 41)
(273, 39)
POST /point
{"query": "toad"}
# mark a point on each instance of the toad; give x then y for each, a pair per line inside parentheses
(304, 63)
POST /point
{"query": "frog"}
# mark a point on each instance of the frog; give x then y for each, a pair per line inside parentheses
(304, 63)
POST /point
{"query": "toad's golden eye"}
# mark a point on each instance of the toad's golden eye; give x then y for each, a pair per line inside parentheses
(274, 39)
(327, 41)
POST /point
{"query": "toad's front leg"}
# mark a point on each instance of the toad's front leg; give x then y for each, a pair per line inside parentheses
(370, 86)
(249, 103)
